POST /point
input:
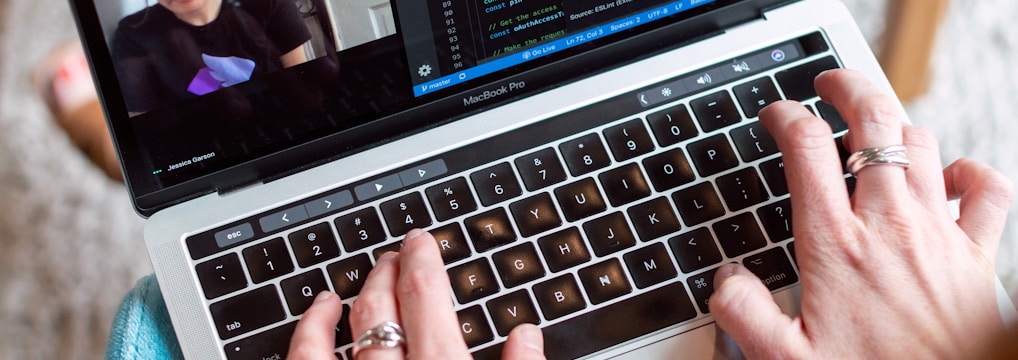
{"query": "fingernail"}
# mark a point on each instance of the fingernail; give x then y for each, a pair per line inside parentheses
(724, 272)
(532, 336)
(413, 234)
(388, 256)
(322, 296)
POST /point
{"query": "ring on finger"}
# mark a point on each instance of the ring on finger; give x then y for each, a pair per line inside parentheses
(881, 155)
(386, 335)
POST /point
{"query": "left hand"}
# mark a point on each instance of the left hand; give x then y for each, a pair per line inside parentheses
(412, 289)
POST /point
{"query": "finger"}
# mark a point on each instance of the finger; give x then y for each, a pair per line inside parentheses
(745, 309)
(314, 336)
(525, 342)
(925, 174)
(985, 199)
(426, 304)
(875, 120)
(813, 167)
(375, 305)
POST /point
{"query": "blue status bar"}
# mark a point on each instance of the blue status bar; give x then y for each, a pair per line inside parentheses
(558, 45)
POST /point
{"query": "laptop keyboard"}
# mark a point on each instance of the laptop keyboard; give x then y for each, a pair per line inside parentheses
(600, 231)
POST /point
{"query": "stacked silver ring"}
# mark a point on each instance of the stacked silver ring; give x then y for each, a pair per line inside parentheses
(387, 335)
(885, 155)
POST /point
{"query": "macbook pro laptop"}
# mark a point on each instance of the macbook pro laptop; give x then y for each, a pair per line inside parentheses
(584, 165)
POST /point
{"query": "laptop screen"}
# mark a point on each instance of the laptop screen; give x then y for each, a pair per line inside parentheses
(199, 93)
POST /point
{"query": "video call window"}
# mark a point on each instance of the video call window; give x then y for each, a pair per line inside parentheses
(169, 51)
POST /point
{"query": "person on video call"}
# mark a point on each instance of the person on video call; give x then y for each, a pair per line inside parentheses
(181, 49)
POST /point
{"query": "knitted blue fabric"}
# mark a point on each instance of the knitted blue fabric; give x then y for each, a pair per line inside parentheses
(142, 328)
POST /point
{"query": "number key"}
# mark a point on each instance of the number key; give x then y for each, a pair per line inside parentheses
(628, 140)
(451, 199)
(360, 229)
(405, 213)
(584, 154)
(314, 244)
(496, 184)
(540, 169)
(268, 260)
(672, 126)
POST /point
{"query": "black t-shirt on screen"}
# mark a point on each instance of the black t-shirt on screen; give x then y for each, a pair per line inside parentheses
(161, 60)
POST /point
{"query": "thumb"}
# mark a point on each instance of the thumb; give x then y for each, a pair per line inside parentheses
(745, 309)
(525, 342)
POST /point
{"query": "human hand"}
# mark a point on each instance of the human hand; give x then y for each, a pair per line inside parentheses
(887, 273)
(412, 289)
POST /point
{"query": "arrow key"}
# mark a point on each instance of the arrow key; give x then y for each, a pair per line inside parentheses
(695, 250)
(739, 234)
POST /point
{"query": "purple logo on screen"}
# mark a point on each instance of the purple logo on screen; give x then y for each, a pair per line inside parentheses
(220, 72)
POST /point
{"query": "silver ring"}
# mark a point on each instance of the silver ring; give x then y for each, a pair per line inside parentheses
(885, 155)
(386, 335)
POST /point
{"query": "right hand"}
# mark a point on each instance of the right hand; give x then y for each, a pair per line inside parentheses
(887, 273)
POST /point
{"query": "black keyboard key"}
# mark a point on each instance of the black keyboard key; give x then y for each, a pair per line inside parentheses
(609, 234)
(604, 281)
(268, 260)
(832, 117)
(669, 170)
(742, 189)
(496, 184)
(221, 276)
(300, 291)
(360, 229)
(777, 220)
(618, 323)
(753, 142)
(672, 126)
(628, 140)
(451, 199)
(518, 265)
(271, 344)
(474, 326)
(564, 249)
(473, 280)
(772, 267)
(490, 229)
(712, 155)
(584, 154)
(405, 213)
(756, 95)
(702, 287)
(843, 153)
(698, 203)
(451, 242)
(540, 169)
(797, 82)
(739, 235)
(344, 335)
(654, 219)
(624, 185)
(535, 214)
(580, 199)
(791, 251)
(774, 173)
(650, 265)
(348, 275)
(695, 250)
(513, 309)
(715, 111)
(559, 297)
(314, 245)
(235, 315)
